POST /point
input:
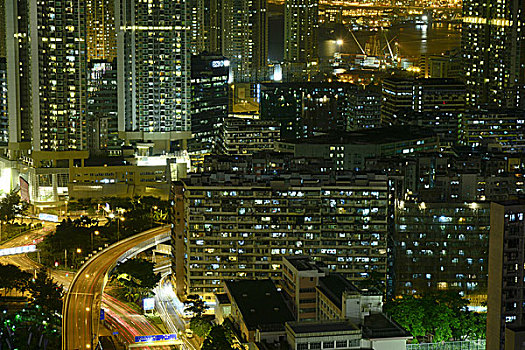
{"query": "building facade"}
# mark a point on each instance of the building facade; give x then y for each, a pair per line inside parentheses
(153, 71)
(209, 101)
(506, 301)
(300, 31)
(442, 246)
(248, 136)
(492, 46)
(231, 227)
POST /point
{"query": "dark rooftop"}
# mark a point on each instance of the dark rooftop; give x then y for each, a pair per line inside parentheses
(322, 326)
(380, 326)
(305, 263)
(223, 299)
(259, 302)
(375, 136)
(334, 285)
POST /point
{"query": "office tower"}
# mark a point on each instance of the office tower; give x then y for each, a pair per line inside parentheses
(306, 108)
(506, 302)
(102, 108)
(209, 101)
(397, 97)
(46, 59)
(153, 72)
(231, 225)
(421, 95)
(300, 30)
(101, 38)
(245, 37)
(493, 52)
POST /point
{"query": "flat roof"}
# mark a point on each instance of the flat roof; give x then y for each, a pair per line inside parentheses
(380, 326)
(305, 263)
(222, 298)
(334, 285)
(375, 136)
(259, 303)
(322, 326)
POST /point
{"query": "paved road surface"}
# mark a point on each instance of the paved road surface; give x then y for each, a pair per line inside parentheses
(82, 302)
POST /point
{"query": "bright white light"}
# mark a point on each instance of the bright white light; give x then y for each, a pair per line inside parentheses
(424, 18)
(339, 42)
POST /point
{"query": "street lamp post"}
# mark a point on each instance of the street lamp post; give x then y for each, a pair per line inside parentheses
(96, 234)
(118, 227)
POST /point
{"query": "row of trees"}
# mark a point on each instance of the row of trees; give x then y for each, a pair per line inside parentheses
(437, 317)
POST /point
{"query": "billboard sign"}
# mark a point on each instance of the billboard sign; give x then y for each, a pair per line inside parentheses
(155, 338)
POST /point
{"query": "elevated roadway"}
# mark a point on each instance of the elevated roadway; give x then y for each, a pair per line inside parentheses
(81, 313)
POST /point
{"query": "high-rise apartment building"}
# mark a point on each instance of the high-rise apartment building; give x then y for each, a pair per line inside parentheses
(300, 30)
(101, 40)
(506, 301)
(232, 226)
(493, 34)
(47, 74)
(102, 120)
(245, 37)
(153, 71)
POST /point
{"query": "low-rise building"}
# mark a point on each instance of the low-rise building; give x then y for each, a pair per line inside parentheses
(340, 334)
(247, 136)
(258, 310)
(300, 277)
(337, 299)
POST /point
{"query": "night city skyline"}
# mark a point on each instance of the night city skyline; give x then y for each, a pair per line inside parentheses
(262, 174)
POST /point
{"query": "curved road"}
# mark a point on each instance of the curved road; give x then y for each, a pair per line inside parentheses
(82, 303)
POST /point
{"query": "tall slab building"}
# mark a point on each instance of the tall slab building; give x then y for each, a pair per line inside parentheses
(46, 61)
(300, 30)
(493, 52)
(153, 71)
(101, 39)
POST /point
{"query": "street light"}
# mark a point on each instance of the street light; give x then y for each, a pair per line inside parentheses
(118, 227)
(96, 234)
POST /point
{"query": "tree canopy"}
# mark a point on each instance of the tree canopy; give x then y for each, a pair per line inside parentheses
(217, 339)
(138, 279)
(46, 294)
(437, 317)
(195, 305)
(11, 206)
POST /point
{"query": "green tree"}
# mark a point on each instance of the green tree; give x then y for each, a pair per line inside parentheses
(11, 206)
(138, 278)
(195, 305)
(200, 326)
(217, 339)
(45, 293)
(11, 277)
(437, 317)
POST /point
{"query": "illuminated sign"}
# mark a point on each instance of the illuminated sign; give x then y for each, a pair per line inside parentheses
(148, 304)
(48, 217)
(18, 250)
(154, 338)
(219, 64)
